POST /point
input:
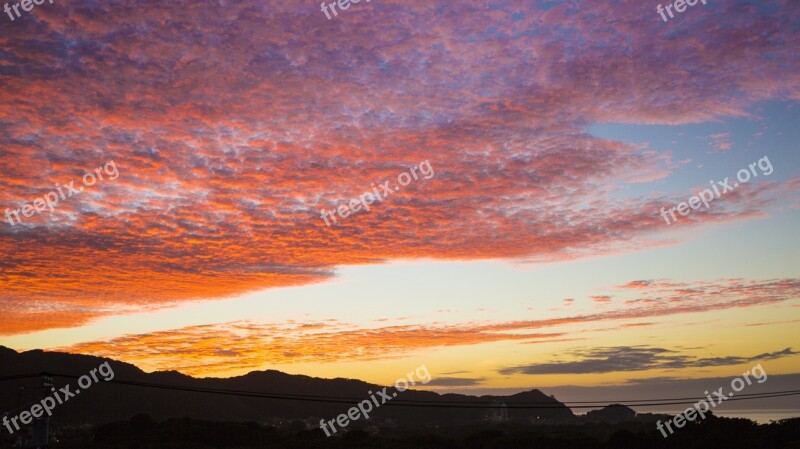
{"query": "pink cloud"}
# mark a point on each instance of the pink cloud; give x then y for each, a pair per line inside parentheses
(232, 129)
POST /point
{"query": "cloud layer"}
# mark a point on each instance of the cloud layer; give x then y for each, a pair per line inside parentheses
(234, 123)
(248, 345)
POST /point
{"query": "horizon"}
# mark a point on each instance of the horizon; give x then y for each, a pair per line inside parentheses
(784, 407)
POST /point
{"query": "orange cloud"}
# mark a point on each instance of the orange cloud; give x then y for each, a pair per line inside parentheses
(231, 131)
(247, 345)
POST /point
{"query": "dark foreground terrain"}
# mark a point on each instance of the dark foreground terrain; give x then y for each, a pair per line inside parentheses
(141, 432)
(168, 410)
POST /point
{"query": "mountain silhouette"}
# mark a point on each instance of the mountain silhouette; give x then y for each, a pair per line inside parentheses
(109, 401)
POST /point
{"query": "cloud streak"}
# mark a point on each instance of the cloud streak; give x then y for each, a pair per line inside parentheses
(196, 349)
(635, 358)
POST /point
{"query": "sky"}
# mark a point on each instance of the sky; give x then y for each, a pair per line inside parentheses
(533, 151)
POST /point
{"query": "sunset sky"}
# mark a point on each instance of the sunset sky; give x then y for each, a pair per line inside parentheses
(536, 255)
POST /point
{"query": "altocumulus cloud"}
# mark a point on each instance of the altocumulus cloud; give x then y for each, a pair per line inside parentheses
(230, 117)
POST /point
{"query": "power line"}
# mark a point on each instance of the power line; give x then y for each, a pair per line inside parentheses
(20, 376)
(431, 403)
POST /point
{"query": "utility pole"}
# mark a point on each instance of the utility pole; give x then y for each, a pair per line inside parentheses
(41, 425)
(35, 435)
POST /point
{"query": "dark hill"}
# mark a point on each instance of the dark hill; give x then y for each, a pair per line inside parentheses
(107, 402)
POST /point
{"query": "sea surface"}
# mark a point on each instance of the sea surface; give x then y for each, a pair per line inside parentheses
(761, 416)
